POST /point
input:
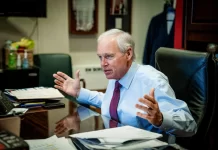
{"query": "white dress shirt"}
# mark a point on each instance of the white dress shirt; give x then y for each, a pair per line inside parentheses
(137, 82)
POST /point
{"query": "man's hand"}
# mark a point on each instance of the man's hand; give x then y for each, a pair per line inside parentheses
(151, 109)
(72, 121)
(67, 84)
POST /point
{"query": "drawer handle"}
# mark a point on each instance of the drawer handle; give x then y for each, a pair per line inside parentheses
(32, 74)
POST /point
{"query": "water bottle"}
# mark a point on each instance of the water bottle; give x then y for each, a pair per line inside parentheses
(18, 61)
(12, 62)
(25, 63)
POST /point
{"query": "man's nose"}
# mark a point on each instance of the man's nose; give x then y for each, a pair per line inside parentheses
(103, 62)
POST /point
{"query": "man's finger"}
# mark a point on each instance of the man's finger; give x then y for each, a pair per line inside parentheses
(77, 75)
(148, 103)
(145, 116)
(58, 87)
(151, 92)
(60, 131)
(59, 127)
(58, 82)
(144, 108)
(63, 75)
(60, 121)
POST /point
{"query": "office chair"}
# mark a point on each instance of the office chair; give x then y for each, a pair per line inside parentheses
(51, 63)
(192, 75)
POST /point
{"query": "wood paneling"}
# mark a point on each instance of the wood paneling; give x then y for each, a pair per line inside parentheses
(201, 23)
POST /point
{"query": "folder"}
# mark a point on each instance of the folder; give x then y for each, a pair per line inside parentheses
(124, 137)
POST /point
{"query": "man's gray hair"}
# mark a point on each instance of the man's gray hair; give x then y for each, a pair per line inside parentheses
(124, 40)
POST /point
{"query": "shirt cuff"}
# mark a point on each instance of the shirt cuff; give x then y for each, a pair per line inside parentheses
(167, 122)
(83, 113)
(83, 95)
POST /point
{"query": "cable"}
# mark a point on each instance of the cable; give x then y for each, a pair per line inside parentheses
(34, 28)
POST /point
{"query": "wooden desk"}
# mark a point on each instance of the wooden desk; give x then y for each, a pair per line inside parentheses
(87, 122)
(35, 123)
(40, 123)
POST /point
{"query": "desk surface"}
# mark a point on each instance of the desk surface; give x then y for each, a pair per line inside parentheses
(89, 121)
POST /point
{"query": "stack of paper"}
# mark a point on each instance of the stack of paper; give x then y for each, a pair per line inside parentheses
(35, 93)
(52, 143)
(126, 137)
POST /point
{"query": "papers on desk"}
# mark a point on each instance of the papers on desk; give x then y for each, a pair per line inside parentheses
(51, 143)
(125, 137)
(35, 93)
(17, 111)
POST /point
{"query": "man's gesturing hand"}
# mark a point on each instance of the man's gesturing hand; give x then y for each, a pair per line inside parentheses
(67, 84)
(151, 109)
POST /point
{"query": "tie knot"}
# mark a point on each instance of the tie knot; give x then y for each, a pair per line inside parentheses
(117, 85)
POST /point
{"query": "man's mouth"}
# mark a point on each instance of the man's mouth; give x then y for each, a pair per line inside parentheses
(107, 72)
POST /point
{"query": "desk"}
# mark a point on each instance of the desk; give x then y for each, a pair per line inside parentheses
(89, 121)
(35, 123)
(42, 121)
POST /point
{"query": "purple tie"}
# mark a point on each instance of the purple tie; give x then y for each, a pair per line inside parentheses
(114, 102)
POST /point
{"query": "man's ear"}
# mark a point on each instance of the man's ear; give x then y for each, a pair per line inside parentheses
(129, 53)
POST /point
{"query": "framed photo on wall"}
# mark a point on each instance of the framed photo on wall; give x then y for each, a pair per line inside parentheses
(118, 14)
(83, 16)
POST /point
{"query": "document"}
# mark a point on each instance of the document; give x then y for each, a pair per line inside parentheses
(120, 134)
(125, 137)
(51, 143)
(35, 93)
(133, 145)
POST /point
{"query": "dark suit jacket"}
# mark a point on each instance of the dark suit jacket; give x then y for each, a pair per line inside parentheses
(157, 37)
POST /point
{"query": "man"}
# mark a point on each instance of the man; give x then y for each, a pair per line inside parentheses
(146, 99)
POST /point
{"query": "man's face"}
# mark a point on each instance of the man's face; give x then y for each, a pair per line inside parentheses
(114, 63)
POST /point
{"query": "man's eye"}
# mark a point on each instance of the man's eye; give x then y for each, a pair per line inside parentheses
(109, 57)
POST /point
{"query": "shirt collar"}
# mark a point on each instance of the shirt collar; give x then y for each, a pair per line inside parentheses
(126, 80)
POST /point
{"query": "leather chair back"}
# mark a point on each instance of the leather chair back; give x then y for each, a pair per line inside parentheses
(49, 64)
(192, 75)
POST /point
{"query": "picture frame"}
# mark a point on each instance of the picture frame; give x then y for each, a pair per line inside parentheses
(73, 22)
(118, 14)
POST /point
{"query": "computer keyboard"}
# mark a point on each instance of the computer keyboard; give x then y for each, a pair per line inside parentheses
(5, 104)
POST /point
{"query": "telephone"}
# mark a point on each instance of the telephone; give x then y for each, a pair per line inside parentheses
(9, 141)
(5, 104)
